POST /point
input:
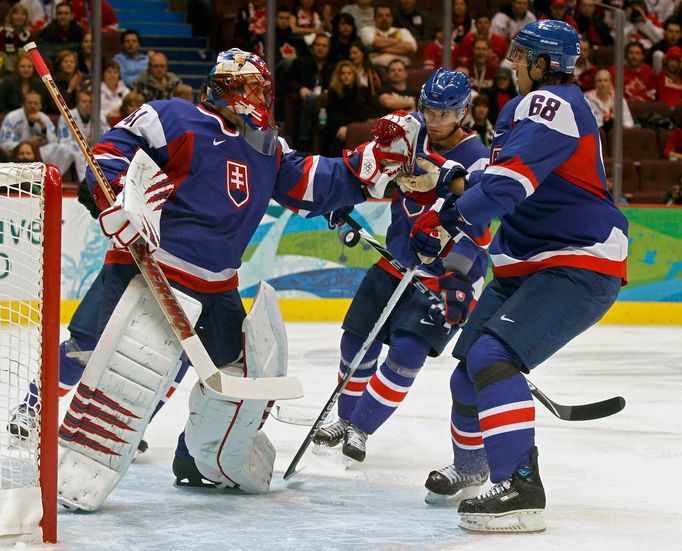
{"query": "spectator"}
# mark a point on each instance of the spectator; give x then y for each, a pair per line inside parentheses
(477, 119)
(347, 101)
(362, 12)
(15, 86)
(672, 36)
(673, 145)
(500, 93)
(344, 34)
(482, 67)
(591, 25)
(641, 25)
(669, 81)
(387, 41)
(184, 91)
(82, 114)
(417, 21)
(395, 94)
(157, 82)
(249, 27)
(638, 78)
(67, 77)
(63, 33)
(367, 72)
(25, 152)
(305, 21)
(498, 44)
(85, 56)
(601, 101)
(30, 123)
(672, 196)
(309, 77)
(81, 15)
(558, 10)
(113, 90)
(15, 33)
(37, 14)
(131, 61)
(433, 52)
(131, 103)
(585, 70)
(462, 22)
(512, 18)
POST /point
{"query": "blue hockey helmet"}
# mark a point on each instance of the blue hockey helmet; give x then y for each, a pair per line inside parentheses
(557, 40)
(446, 90)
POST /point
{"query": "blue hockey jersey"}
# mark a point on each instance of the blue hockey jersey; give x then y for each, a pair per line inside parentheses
(547, 184)
(222, 187)
(406, 208)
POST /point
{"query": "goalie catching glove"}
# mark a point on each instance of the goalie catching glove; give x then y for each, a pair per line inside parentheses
(390, 153)
(137, 209)
(457, 292)
(441, 178)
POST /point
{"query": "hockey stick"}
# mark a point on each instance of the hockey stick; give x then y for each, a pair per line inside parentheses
(272, 388)
(582, 412)
(390, 305)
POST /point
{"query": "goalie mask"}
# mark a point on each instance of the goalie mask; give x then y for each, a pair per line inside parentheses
(241, 82)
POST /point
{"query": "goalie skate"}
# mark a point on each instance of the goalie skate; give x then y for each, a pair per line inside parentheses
(22, 422)
(449, 485)
(512, 505)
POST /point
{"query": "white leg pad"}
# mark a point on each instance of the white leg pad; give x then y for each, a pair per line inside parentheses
(131, 368)
(223, 435)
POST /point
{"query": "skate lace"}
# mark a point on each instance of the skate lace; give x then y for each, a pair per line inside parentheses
(356, 438)
(454, 476)
(24, 417)
(498, 488)
(336, 430)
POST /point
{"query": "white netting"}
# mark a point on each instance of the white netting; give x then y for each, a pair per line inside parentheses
(21, 292)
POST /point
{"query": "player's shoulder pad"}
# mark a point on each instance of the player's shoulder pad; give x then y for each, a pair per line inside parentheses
(549, 109)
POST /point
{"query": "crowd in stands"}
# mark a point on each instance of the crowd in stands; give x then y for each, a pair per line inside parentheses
(344, 63)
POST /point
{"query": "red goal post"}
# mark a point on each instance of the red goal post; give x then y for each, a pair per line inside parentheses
(30, 268)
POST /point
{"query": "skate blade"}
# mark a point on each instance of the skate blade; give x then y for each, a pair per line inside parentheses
(524, 521)
(432, 498)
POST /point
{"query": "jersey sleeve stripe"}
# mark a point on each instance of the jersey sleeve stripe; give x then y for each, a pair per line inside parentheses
(300, 190)
(514, 170)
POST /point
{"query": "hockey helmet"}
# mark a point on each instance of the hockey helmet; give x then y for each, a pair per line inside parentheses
(557, 40)
(445, 91)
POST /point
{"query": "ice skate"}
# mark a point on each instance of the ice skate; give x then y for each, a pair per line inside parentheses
(512, 505)
(331, 435)
(449, 485)
(187, 475)
(355, 443)
(22, 421)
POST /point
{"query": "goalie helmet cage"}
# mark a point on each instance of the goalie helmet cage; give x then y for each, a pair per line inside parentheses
(30, 267)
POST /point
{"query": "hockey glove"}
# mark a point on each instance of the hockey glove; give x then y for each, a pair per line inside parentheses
(457, 293)
(438, 177)
(337, 217)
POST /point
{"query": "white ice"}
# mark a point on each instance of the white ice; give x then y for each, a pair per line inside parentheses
(614, 483)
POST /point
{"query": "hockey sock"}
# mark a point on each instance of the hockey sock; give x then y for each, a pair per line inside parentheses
(184, 366)
(506, 410)
(465, 431)
(390, 384)
(350, 345)
(181, 449)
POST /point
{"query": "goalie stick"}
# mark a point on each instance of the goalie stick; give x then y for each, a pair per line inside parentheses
(267, 388)
(390, 305)
(582, 412)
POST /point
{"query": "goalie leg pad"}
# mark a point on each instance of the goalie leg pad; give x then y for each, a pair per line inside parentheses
(131, 368)
(222, 435)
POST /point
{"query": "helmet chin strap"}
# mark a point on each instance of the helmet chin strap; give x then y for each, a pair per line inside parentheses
(457, 126)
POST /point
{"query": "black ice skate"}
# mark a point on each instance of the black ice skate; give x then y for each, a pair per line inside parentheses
(355, 443)
(331, 435)
(22, 421)
(513, 505)
(187, 474)
(449, 485)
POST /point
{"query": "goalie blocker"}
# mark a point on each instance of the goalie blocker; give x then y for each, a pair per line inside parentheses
(132, 366)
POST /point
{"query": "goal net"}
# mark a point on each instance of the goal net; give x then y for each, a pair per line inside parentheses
(30, 237)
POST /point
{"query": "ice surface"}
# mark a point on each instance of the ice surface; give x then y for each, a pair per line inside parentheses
(611, 484)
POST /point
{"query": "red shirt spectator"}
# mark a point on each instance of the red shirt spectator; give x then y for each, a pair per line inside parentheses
(673, 145)
(669, 81)
(558, 10)
(81, 15)
(433, 52)
(482, 68)
(498, 43)
(585, 71)
(638, 77)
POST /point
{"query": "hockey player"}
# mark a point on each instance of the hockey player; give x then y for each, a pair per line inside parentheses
(412, 331)
(224, 162)
(559, 260)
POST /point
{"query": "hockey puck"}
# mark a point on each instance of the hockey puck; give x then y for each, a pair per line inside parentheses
(350, 238)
